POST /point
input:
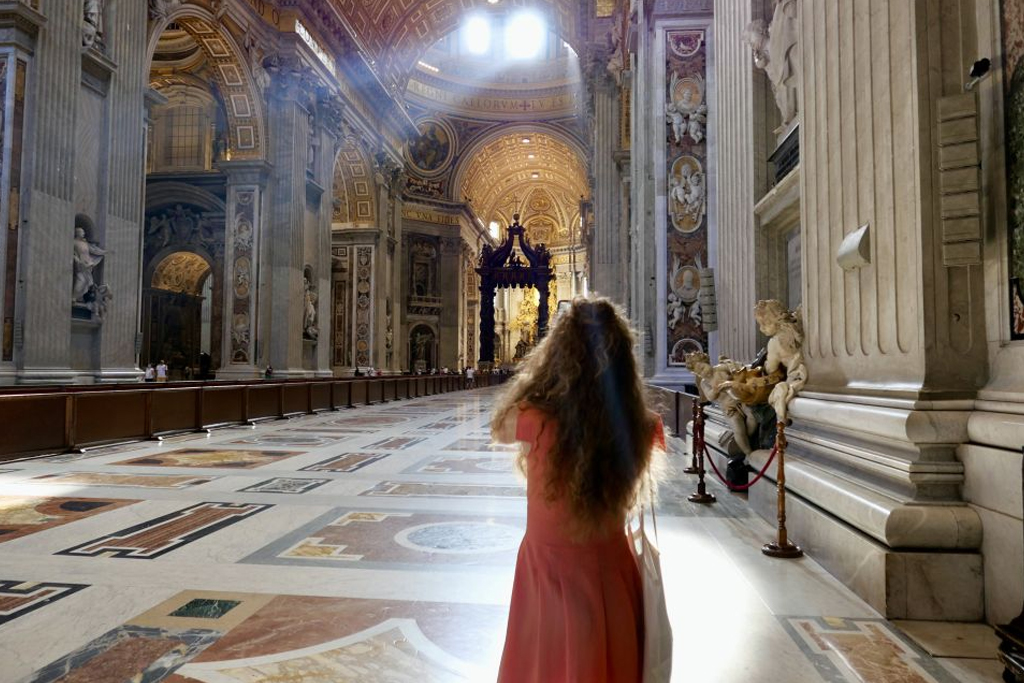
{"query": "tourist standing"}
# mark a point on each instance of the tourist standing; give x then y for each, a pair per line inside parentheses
(578, 407)
(470, 378)
(150, 373)
(161, 371)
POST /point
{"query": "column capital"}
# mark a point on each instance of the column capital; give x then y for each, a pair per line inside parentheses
(246, 171)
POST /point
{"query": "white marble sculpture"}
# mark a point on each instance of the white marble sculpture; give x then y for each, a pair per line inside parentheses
(87, 255)
(101, 302)
(160, 9)
(713, 383)
(92, 16)
(309, 326)
(688, 193)
(678, 121)
(785, 351)
(775, 51)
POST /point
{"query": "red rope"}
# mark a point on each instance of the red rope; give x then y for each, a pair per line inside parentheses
(743, 487)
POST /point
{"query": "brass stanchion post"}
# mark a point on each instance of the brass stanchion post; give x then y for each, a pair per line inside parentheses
(781, 547)
(692, 469)
(701, 496)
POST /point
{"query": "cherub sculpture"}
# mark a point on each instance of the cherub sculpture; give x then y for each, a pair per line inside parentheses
(713, 384)
(678, 121)
(785, 351)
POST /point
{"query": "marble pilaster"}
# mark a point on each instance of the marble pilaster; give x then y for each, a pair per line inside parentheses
(246, 232)
(607, 265)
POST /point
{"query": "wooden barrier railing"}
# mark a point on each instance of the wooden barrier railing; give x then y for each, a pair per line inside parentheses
(39, 420)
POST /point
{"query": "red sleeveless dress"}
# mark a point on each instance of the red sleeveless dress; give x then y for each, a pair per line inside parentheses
(577, 608)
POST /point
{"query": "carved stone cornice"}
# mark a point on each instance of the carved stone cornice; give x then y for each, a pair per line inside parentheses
(19, 24)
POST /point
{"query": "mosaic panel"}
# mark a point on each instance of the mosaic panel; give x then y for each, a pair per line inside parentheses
(163, 534)
(128, 653)
(293, 440)
(369, 420)
(148, 481)
(206, 457)
(285, 485)
(431, 490)
(467, 464)
(21, 597)
(22, 516)
(856, 650)
(486, 445)
(346, 462)
(396, 443)
(246, 637)
(389, 539)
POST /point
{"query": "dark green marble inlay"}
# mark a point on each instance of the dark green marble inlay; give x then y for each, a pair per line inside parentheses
(202, 608)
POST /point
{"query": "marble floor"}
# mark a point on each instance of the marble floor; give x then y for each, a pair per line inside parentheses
(378, 544)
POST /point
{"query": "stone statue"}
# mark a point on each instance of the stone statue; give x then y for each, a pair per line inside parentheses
(160, 9)
(678, 121)
(688, 193)
(697, 122)
(419, 345)
(87, 255)
(309, 327)
(713, 384)
(92, 17)
(774, 50)
(785, 352)
(100, 302)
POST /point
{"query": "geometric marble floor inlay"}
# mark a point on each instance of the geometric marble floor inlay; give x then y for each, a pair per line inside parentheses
(377, 545)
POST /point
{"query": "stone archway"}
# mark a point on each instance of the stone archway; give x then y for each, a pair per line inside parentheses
(178, 307)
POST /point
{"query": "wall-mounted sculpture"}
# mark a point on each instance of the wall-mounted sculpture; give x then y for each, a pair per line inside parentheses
(85, 293)
(713, 383)
(309, 326)
(92, 23)
(775, 51)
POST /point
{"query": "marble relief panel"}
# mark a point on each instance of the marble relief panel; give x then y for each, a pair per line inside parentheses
(686, 158)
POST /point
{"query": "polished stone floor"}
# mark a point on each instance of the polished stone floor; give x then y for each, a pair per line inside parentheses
(378, 544)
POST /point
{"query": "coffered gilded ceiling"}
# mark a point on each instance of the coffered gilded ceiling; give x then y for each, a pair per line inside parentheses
(543, 177)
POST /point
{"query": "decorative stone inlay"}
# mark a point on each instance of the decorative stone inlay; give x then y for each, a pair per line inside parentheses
(460, 538)
(686, 222)
(363, 318)
(242, 260)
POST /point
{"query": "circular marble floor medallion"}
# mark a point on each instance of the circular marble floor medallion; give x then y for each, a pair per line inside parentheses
(460, 538)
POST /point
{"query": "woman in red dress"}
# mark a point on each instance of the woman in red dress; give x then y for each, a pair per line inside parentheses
(578, 406)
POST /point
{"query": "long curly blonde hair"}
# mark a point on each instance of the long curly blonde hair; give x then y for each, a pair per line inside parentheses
(583, 377)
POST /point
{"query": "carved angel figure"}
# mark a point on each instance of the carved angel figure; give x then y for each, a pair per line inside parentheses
(785, 351)
(678, 121)
(87, 255)
(713, 384)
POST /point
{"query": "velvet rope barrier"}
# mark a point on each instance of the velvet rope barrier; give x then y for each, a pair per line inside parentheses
(739, 487)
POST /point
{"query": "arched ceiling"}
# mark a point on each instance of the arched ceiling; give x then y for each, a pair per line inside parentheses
(181, 272)
(545, 176)
(396, 33)
(491, 86)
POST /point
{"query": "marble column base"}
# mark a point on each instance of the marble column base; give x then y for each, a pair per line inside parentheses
(926, 584)
(945, 586)
(240, 372)
(118, 375)
(49, 376)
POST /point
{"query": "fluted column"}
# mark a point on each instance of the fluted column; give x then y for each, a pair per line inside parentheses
(607, 267)
(48, 209)
(124, 164)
